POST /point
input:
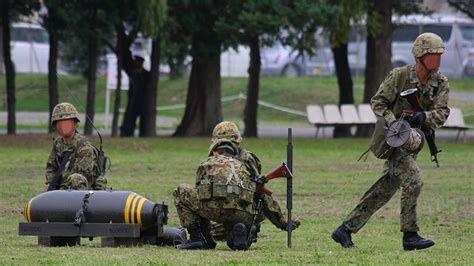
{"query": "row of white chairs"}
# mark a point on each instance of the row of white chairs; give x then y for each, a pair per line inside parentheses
(349, 114)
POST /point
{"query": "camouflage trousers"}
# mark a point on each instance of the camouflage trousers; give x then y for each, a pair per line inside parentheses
(406, 175)
(77, 181)
(191, 211)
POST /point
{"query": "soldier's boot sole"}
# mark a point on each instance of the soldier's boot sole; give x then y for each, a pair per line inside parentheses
(193, 245)
(425, 243)
(239, 237)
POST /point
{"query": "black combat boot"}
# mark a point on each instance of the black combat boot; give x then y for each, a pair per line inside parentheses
(196, 239)
(412, 241)
(239, 240)
(342, 235)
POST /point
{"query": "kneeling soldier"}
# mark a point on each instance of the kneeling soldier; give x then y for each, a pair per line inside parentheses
(73, 161)
(225, 193)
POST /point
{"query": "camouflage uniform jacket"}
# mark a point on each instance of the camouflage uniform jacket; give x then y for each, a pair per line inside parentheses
(387, 103)
(83, 161)
(271, 208)
(252, 160)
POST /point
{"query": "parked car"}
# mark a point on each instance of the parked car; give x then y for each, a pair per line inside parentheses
(29, 48)
(457, 33)
(283, 61)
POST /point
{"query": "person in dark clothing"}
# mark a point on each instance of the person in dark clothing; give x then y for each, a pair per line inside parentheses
(136, 98)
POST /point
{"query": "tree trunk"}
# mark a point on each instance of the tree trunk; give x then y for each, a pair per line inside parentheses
(253, 87)
(151, 89)
(176, 69)
(9, 69)
(203, 102)
(378, 55)
(91, 78)
(127, 65)
(1, 50)
(344, 81)
(52, 73)
(119, 47)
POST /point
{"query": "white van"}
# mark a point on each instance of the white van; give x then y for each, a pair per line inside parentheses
(457, 33)
(29, 48)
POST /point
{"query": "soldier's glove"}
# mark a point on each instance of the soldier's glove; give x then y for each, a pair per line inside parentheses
(389, 117)
(417, 119)
(218, 231)
(295, 223)
(261, 181)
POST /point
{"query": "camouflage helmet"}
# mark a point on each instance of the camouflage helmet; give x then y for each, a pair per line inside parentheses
(227, 130)
(64, 111)
(222, 143)
(427, 43)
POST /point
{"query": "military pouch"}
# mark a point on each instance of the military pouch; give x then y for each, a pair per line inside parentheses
(219, 191)
(246, 195)
(204, 190)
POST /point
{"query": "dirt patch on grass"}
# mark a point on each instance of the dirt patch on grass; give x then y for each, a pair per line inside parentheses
(33, 140)
(10, 212)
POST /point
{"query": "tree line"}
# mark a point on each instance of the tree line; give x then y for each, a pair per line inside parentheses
(203, 29)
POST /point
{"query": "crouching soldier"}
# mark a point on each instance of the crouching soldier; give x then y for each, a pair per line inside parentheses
(225, 193)
(73, 162)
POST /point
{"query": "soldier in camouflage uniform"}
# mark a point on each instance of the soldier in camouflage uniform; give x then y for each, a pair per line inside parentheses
(232, 220)
(73, 159)
(387, 104)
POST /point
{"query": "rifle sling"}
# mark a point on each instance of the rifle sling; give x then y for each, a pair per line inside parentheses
(55, 183)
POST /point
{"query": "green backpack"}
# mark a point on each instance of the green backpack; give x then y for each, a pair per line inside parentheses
(223, 178)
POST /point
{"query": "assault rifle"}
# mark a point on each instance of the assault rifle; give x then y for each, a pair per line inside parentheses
(280, 171)
(412, 97)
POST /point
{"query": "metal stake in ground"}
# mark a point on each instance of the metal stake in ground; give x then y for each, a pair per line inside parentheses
(289, 183)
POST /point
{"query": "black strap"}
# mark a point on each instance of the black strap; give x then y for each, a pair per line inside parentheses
(80, 218)
(56, 182)
(257, 208)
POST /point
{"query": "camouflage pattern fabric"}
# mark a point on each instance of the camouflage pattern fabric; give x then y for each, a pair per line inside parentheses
(82, 170)
(186, 203)
(427, 43)
(75, 181)
(407, 177)
(227, 130)
(225, 180)
(222, 186)
(387, 105)
(270, 207)
(63, 111)
(191, 210)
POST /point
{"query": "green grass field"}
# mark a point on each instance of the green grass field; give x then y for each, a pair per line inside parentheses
(328, 183)
(295, 93)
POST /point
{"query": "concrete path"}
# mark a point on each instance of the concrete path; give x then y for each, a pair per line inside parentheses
(41, 118)
(271, 131)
